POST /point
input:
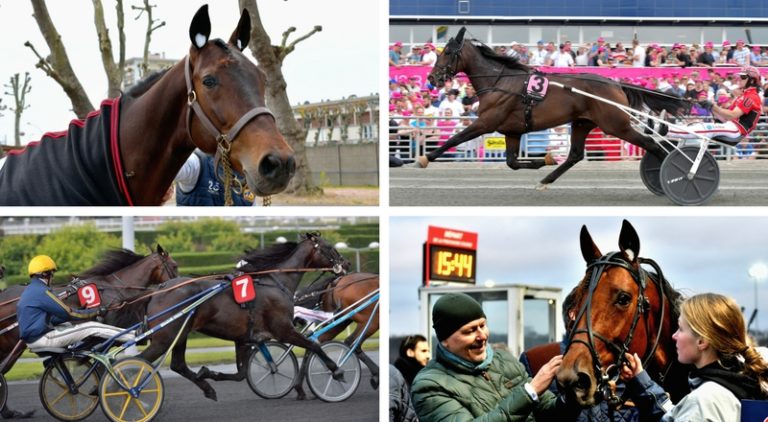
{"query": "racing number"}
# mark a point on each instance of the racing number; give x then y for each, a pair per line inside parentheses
(242, 289)
(89, 296)
(536, 84)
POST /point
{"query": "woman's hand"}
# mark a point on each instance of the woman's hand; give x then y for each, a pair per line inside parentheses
(632, 367)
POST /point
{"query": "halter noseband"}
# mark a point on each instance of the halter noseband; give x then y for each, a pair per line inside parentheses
(449, 69)
(605, 381)
(223, 140)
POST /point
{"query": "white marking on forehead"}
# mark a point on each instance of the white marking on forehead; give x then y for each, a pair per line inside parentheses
(239, 45)
(630, 254)
(241, 264)
(476, 43)
(200, 40)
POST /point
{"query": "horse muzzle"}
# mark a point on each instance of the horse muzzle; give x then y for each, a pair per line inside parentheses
(272, 175)
(578, 386)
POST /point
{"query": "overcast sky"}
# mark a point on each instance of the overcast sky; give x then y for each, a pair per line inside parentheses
(697, 254)
(339, 61)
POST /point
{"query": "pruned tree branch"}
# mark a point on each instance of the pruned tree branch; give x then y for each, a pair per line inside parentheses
(114, 71)
(19, 93)
(152, 26)
(60, 68)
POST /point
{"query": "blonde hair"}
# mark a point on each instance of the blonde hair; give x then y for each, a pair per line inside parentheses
(718, 319)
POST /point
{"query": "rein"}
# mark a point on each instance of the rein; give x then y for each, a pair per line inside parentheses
(330, 289)
(640, 276)
(223, 140)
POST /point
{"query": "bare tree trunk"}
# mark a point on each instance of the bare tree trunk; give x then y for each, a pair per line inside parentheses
(114, 71)
(151, 27)
(270, 59)
(57, 65)
(19, 93)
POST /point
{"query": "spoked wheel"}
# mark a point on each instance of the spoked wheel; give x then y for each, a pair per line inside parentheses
(694, 191)
(272, 381)
(320, 378)
(650, 169)
(65, 401)
(144, 397)
(3, 392)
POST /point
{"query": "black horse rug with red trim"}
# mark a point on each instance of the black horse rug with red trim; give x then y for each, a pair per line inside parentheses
(79, 166)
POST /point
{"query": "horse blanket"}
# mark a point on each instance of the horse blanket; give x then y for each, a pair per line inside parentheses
(80, 166)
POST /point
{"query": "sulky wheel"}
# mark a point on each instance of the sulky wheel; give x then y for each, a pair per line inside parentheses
(3, 392)
(683, 190)
(138, 395)
(273, 377)
(320, 378)
(69, 388)
(650, 167)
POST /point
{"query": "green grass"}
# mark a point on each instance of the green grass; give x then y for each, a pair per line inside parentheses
(33, 370)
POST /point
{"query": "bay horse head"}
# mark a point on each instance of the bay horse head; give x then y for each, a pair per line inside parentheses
(448, 61)
(228, 114)
(325, 255)
(618, 308)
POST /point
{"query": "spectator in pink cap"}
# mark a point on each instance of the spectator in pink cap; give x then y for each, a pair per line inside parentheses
(726, 54)
(706, 59)
(593, 52)
(681, 56)
(394, 54)
(428, 55)
(740, 55)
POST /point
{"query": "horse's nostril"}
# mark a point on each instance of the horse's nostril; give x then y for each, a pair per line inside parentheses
(269, 165)
(583, 381)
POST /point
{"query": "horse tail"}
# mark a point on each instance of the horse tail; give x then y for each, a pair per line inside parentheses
(655, 100)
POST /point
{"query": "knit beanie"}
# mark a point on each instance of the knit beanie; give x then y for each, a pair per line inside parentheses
(453, 311)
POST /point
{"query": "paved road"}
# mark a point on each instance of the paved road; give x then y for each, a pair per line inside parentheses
(586, 184)
(184, 402)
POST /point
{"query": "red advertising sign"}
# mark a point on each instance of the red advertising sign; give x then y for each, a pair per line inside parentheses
(450, 255)
(89, 296)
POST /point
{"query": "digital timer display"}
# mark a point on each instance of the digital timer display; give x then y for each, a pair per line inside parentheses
(452, 264)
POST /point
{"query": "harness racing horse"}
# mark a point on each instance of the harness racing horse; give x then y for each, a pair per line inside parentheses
(507, 107)
(268, 316)
(621, 308)
(119, 275)
(213, 99)
(336, 293)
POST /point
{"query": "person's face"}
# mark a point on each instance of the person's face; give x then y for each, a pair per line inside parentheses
(469, 342)
(687, 343)
(420, 353)
(448, 112)
(419, 111)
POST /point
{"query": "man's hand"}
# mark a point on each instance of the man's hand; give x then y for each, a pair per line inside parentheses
(632, 367)
(544, 377)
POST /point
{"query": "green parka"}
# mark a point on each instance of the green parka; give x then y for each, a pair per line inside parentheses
(443, 391)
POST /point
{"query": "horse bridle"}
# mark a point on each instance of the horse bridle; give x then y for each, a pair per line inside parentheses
(449, 69)
(223, 140)
(640, 276)
(338, 268)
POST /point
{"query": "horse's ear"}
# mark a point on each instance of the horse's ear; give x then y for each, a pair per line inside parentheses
(160, 250)
(460, 35)
(589, 250)
(200, 28)
(242, 33)
(629, 241)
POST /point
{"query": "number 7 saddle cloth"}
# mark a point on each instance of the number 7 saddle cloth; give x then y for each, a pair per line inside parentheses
(79, 166)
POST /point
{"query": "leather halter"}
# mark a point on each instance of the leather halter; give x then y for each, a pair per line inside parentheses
(640, 276)
(223, 140)
(449, 70)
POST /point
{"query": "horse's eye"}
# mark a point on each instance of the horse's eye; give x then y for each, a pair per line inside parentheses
(624, 299)
(209, 81)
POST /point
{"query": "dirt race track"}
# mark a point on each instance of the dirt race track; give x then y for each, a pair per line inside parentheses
(742, 183)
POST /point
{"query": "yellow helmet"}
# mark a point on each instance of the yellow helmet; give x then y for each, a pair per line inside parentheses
(41, 264)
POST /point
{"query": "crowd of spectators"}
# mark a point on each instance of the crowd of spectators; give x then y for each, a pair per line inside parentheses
(425, 116)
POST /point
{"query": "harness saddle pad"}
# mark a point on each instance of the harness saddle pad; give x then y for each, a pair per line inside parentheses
(79, 166)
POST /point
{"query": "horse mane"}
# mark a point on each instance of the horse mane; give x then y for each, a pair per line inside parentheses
(143, 85)
(265, 259)
(112, 261)
(510, 62)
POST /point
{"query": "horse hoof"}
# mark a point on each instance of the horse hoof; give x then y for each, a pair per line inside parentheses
(549, 160)
(422, 162)
(301, 396)
(338, 375)
(211, 394)
(542, 187)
